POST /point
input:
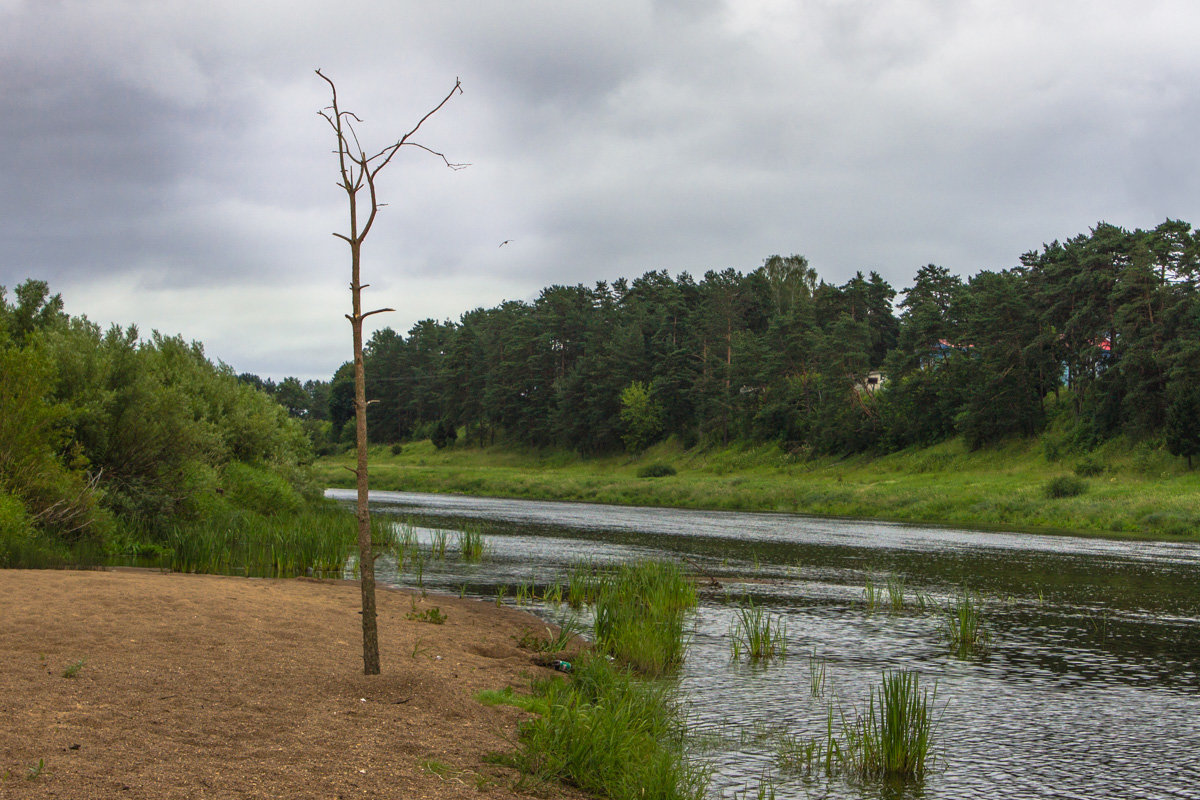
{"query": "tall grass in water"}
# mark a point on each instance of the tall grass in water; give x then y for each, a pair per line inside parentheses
(894, 738)
(583, 584)
(605, 731)
(639, 615)
(404, 540)
(310, 542)
(437, 546)
(471, 545)
(890, 594)
(962, 625)
(816, 674)
(757, 634)
(610, 735)
(872, 594)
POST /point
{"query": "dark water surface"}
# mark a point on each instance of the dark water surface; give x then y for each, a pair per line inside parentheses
(1090, 689)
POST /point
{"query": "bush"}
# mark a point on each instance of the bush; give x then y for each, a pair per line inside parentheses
(1065, 486)
(1089, 467)
(397, 449)
(260, 490)
(656, 470)
(443, 435)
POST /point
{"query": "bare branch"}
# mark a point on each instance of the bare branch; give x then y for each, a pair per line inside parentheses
(456, 90)
(391, 151)
(452, 165)
(377, 311)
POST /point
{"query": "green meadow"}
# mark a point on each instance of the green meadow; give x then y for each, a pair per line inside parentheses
(1120, 490)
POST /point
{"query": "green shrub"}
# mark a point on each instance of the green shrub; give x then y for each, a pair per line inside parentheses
(1065, 486)
(260, 490)
(14, 519)
(1089, 467)
(656, 470)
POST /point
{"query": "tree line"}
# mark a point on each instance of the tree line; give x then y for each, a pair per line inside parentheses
(1105, 325)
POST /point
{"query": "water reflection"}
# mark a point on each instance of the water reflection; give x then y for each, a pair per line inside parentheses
(1091, 687)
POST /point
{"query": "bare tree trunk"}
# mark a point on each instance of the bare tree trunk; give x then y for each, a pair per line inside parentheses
(366, 553)
(357, 171)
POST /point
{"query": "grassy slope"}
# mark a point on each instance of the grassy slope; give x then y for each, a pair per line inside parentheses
(1142, 493)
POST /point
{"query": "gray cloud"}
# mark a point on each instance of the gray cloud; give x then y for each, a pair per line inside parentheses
(164, 164)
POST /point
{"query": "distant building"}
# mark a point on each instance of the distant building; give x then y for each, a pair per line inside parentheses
(871, 383)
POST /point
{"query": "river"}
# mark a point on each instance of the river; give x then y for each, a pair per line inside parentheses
(1089, 688)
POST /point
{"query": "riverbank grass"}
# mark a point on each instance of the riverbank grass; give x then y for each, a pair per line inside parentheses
(608, 733)
(639, 615)
(314, 541)
(1140, 492)
(609, 729)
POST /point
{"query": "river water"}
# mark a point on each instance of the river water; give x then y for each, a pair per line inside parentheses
(1090, 687)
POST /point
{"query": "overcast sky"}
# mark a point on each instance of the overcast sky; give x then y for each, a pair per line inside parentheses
(163, 162)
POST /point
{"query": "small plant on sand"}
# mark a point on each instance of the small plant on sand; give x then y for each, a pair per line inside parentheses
(72, 670)
(418, 649)
(432, 615)
(36, 771)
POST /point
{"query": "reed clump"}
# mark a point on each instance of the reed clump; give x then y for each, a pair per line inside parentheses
(757, 634)
(609, 734)
(894, 737)
(605, 730)
(583, 584)
(437, 544)
(639, 615)
(315, 542)
(471, 545)
(962, 626)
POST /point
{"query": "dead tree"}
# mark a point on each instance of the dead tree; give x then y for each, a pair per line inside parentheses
(357, 171)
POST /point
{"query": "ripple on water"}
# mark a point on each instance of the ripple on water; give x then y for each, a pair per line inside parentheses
(1090, 688)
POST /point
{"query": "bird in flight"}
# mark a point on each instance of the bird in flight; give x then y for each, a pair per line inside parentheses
(506, 241)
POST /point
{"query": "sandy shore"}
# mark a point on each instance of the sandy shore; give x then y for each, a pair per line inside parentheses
(196, 686)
